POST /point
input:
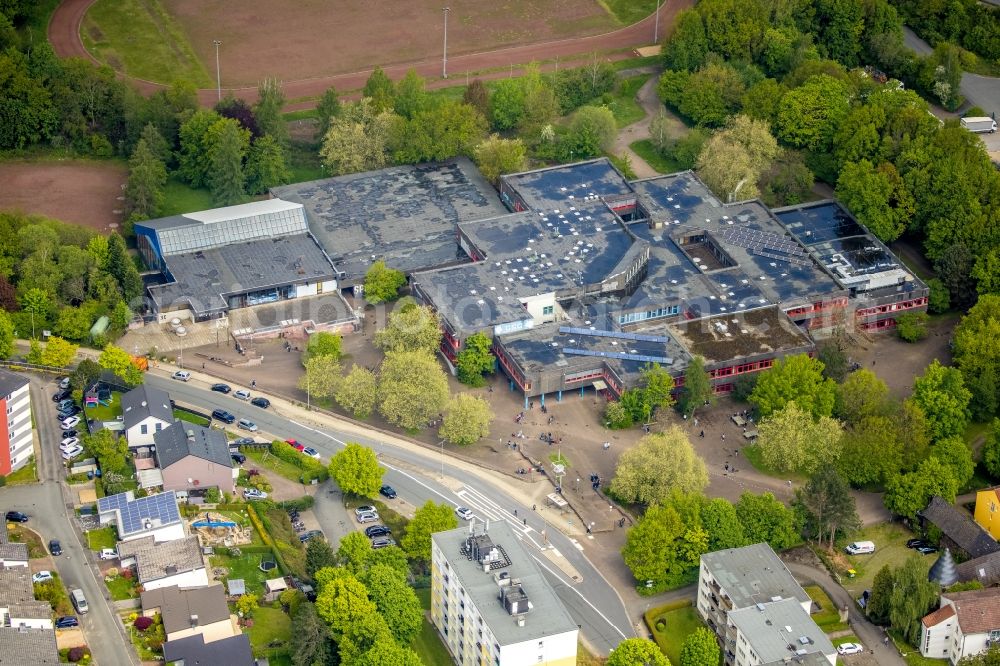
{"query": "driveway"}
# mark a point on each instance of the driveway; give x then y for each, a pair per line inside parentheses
(51, 508)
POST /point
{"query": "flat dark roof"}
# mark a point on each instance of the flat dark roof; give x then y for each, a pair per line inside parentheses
(405, 215)
(205, 278)
(557, 188)
(746, 334)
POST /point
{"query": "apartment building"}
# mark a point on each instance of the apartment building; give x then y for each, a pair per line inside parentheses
(491, 603)
(15, 429)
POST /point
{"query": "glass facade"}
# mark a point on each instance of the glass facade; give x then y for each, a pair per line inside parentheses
(633, 317)
(202, 236)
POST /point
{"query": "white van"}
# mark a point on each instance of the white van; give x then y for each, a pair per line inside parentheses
(861, 548)
(79, 601)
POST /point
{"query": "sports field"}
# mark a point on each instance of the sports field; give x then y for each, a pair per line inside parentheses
(310, 38)
(76, 191)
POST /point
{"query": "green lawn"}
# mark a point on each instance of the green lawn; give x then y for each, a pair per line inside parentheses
(653, 157)
(27, 474)
(677, 624)
(390, 518)
(18, 534)
(828, 618)
(559, 459)
(629, 11)
(890, 549)
(140, 38)
(624, 105)
(911, 654)
(121, 588)
(269, 625)
(108, 412)
(264, 458)
(304, 161)
(428, 642)
(184, 415)
(246, 567)
(179, 197)
(106, 537)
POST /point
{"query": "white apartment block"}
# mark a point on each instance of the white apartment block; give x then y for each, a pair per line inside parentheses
(966, 624)
(491, 603)
(15, 428)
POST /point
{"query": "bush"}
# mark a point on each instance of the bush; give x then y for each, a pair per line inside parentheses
(75, 654)
(311, 468)
(912, 326)
(300, 504)
(142, 623)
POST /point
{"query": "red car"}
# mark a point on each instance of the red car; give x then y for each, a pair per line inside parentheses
(295, 445)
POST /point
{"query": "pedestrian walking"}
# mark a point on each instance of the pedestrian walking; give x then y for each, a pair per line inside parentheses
(532, 507)
(515, 513)
(723, 437)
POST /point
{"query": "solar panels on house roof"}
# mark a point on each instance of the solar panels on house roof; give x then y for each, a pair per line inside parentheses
(160, 509)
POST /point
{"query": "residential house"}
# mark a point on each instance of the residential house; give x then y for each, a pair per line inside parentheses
(492, 604)
(146, 411)
(157, 565)
(740, 590)
(15, 429)
(156, 515)
(190, 611)
(12, 554)
(194, 651)
(190, 456)
(959, 530)
(987, 512)
(985, 569)
(18, 606)
(24, 645)
(965, 624)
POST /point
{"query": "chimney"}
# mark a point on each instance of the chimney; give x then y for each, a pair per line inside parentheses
(194, 620)
(190, 435)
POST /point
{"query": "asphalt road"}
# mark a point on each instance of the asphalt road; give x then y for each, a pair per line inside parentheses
(49, 506)
(416, 476)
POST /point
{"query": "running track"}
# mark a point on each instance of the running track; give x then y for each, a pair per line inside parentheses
(64, 35)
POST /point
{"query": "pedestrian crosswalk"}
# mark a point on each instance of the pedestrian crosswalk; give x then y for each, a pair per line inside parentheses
(486, 509)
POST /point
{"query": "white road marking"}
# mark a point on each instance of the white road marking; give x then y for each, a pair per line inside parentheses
(570, 586)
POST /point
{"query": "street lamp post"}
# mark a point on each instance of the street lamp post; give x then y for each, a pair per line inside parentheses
(656, 24)
(218, 72)
(444, 55)
(442, 459)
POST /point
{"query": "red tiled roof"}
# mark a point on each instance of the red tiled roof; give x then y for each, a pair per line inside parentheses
(978, 610)
(938, 616)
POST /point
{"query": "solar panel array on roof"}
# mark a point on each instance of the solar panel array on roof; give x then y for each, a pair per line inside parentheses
(613, 334)
(161, 507)
(620, 355)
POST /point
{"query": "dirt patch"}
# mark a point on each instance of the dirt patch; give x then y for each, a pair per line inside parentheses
(79, 192)
(319, 37)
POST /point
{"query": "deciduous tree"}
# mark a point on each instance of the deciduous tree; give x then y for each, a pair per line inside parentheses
(496, 156)
(940, 392)
(637, 652)
(412, 389)
(827, 506)
(475, 359)
(719, 519)
(380, 90)
(321, 377)
(466, 420)
(877, 197)
(120, 362)
(764, 518)
(411, 95)
(342, 602)
(6, 335)
(912, 597)
(324, 343)
(357, 392)
(799, 378)
(592, 131)
(687, 47)
(955, 454)
(791, 440)
(905, 494)
(396, 602)
(659, 464)
(429, 518)
(991, 449)
(357, 139)
(861, 395)
(327, 109)
(411, 327)
(700, 649)
(58, 353)
(809, 115)
(382, 283)
(977, 354)
(356, 470)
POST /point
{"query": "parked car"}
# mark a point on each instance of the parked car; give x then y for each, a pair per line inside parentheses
(181, 375)
(41, 577)
(917, 543)
(70, 433)
(295, 444)
(383, 542)
(108, 554)
(64, 383)
(69, 422)
(221, 388)
(61, 395)
(254, 494)
(69, 454)
(242, 394)
(16, 517)
(927, 549)
(311, 534)
(388, 492)
(464, 512)
(365, 508)
(850, 648)
(377, 531)
(79, 601)
(311, 452)
(367, 518)
(66, 403)
(222, 415)
(247, 424)
(69, 411)
(68, 442)
(242, 441)
(263, 403)
(55, 547)
(67, 622)
(860, 548)
(239, 458)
